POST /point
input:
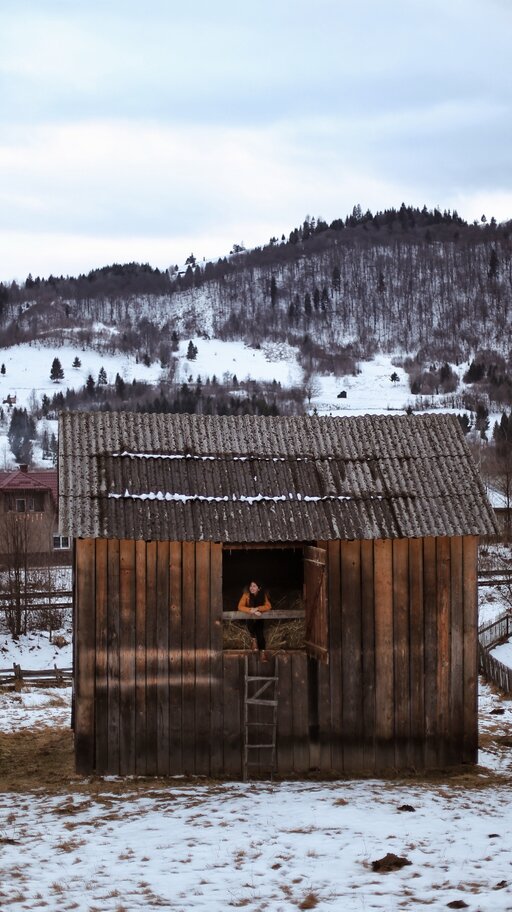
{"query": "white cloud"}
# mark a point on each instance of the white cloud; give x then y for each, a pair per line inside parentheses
(156, 123)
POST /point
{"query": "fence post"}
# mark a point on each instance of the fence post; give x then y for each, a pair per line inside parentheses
(18, 680)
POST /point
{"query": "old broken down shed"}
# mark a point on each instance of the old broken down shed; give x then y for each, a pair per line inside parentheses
(373, 521)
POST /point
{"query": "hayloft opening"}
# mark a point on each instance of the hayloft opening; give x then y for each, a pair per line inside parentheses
(281, 571)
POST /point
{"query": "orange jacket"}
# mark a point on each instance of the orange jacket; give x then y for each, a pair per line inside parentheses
(243, 604)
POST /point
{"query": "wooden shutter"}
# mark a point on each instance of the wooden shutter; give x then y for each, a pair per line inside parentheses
(315, 602)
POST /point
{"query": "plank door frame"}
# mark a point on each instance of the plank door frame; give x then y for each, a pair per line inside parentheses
(316, 603)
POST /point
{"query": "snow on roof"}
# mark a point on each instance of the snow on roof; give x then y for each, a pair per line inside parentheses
(217, 478)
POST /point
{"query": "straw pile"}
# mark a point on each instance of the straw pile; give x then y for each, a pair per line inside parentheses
(279, 634)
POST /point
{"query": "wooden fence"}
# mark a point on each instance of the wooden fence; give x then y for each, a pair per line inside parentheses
(35, 608)
(46, 677)
(37, 599)
(490, 635)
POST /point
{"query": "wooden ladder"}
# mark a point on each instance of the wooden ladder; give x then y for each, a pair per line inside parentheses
(261, 690)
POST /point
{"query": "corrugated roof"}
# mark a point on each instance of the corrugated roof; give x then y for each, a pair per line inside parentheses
(259, 479)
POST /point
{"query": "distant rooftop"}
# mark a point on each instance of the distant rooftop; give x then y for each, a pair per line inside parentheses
(25, 479)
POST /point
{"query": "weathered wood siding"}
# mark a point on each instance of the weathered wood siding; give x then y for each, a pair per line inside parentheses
(149, 678)
(156, 695)
(403, 665)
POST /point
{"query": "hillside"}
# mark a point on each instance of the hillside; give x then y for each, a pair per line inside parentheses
(404, 279)
(416, 295)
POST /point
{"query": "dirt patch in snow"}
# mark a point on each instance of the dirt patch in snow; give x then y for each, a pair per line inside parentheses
(36, 758)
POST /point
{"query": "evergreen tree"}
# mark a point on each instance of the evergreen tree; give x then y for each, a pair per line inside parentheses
(474, 373)
(120, 386)
(54, 448)
(191, 351)
(57, 372)
(77, 362)
(22, 431)
(482, 420)
(90, 385)
(45, 405)
(2, 369)
(273, 291)
(493, 270)
(45, 445)
(102, 377)
(503, 435)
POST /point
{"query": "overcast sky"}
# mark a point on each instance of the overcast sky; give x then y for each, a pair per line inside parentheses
(147, 131)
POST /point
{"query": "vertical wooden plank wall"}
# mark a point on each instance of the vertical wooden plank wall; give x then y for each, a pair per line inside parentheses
(431, 742)
(85, 691)
(162, 660)
(175, 658)
(148, 618)
(140, 659)
(443, 607)
(403, 615)
(401, 650)
(101, 677)
(113, 656)
(351, 671)
(384, 657)
(456, 646)
(216, 664)
(470, 649)
(127, 654)
(151, 661)
(417, 652)
(368, 653)
(155, 694)
(332, 693)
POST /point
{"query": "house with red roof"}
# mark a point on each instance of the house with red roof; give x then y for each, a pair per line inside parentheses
(29, 519)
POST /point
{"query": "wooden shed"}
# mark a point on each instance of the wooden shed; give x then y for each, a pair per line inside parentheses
(372, 522)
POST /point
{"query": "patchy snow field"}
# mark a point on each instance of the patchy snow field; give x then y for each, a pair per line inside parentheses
(272, 361)
(371, 392)
(28, 370)
(108, 845)
(27, 377)
(114, 845)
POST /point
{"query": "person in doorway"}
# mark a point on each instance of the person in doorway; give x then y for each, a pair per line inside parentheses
(255, 602)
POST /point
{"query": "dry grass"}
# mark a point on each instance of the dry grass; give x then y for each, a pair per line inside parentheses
(69, 845)
(278, 634)
(310, 901)
(43, 759)
(32, 757)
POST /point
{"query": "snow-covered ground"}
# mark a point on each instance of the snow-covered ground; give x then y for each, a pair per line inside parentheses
(27, 377)
(27, 370)
(114, 846)
(272, 361)
(370, 392)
